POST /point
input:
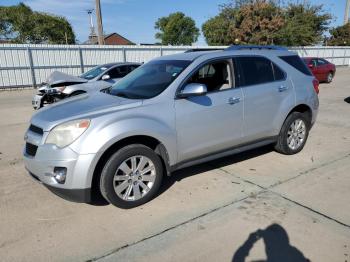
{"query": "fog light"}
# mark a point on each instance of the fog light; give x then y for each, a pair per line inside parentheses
(60, 174)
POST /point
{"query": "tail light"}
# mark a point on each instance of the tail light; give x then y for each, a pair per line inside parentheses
(316, 85)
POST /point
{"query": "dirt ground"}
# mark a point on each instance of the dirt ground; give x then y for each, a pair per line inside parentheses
(258, 205)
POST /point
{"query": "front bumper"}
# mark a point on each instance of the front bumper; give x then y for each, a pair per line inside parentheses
(77, 186)
(74, 195)
(37, 101)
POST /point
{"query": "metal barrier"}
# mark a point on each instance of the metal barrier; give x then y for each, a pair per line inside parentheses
(29, 65)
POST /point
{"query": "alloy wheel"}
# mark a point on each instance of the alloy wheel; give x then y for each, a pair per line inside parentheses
(134, 178)
(296, 134)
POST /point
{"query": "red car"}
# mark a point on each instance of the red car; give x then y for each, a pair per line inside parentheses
(322, 69)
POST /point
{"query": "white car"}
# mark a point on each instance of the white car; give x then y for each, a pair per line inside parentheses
(60, 85)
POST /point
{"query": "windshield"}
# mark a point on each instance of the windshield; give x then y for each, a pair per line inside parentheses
(95, 72)
(149, 80)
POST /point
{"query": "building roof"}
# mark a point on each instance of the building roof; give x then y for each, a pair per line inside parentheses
(94, 39)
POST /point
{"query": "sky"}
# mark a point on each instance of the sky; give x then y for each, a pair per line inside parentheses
(135, 19)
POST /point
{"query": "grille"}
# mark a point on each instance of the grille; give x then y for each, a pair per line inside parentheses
(36, 129)
(31, 149)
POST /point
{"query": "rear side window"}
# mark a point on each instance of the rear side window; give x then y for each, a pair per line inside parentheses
(278, 73)
(321, 62)
(297, 63)
(254, 70)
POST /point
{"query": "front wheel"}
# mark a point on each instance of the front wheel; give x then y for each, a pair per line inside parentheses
(131, 177)
(294, 134)
(329, 77)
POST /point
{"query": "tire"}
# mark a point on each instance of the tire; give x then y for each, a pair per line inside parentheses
(125, 188)
(329, 77)
(284, 144)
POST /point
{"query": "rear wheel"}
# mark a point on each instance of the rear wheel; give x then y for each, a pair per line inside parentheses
(329, 77)
(131, 177)
(294, 134)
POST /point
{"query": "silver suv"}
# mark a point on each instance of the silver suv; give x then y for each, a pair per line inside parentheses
(172, 112)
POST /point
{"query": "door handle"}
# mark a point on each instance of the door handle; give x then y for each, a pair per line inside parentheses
(233, 100)
(282, 88)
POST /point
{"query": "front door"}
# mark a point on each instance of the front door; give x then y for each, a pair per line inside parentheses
(213, 122)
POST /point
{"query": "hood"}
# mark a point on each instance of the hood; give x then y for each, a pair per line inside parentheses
(87, 87)
(58, 78)
(79, 107)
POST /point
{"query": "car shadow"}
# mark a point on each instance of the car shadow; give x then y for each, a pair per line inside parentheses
(177, 176)
(277, 246)
(347, 100)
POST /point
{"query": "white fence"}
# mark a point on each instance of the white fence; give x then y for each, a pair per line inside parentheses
(29, 65)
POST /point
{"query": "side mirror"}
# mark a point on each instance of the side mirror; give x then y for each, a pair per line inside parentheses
(106, 77)
(194, 89)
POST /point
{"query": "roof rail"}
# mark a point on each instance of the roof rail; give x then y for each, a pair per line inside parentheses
(203, 49)
(260, 47)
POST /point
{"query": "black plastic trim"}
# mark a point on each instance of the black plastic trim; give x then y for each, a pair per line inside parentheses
(225, 152)
(74, 195)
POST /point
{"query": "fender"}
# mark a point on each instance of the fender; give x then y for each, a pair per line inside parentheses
(101, 137)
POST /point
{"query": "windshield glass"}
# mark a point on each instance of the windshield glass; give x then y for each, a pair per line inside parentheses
(149, 80)
(95, 72)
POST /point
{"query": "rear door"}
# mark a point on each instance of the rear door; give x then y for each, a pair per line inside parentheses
(266, 94)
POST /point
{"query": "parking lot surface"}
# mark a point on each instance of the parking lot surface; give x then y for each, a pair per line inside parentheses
(257, 205)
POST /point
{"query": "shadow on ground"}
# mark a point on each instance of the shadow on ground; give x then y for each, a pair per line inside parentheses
(177, 176)
(277, 246)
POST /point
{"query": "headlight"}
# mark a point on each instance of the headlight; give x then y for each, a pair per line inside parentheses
(65, 134)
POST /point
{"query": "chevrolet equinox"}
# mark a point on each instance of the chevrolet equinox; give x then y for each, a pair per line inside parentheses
(172, 112)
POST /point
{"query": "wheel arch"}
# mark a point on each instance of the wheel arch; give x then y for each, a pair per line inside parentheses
(302, 108)
(146, 140)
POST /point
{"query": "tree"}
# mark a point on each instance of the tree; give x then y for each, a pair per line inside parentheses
(340, 36)
(265, 22)
(20, 24)
(255, 22)
(177, 29)
(304, 25)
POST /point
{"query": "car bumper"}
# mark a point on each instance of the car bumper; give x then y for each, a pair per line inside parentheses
(37, 101)
(77, 185)
(74, 195)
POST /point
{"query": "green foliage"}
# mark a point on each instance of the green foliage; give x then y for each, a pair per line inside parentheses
(22, 25)
(176, 29)
(340, 36)
(264, 22)
(304, 25)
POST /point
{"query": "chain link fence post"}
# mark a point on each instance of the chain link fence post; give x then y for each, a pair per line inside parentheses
(81, 60)
(31, 66)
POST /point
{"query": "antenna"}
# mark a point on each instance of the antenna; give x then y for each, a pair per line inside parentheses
(92, 35)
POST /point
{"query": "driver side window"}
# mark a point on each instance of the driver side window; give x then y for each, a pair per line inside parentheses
(118, 72)
(216, 76)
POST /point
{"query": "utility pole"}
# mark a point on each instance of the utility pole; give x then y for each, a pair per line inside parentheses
(347, 10)
(99, 23)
